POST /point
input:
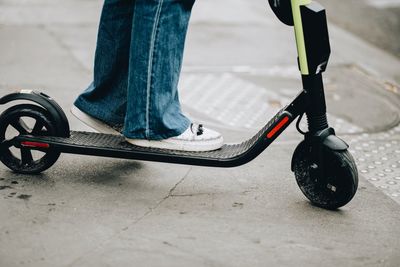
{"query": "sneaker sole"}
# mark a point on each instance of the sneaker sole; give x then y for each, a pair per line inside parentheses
(93, 123)
(189, 146)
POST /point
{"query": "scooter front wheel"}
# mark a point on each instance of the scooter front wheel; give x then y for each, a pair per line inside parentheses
(26, 119)
(331, 185)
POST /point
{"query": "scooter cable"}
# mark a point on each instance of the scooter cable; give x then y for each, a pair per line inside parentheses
(298, 124)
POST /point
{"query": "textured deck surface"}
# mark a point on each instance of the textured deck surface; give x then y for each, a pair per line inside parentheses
(118, 143)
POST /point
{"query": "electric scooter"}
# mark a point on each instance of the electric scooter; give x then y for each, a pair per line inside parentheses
(324, 169)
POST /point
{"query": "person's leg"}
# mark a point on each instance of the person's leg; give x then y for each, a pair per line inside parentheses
(158, 35)
(105, 98)
(136, 76)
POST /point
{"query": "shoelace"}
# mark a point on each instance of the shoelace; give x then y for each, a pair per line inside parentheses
(197, 129)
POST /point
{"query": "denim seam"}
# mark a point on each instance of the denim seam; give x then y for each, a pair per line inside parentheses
(150, 66)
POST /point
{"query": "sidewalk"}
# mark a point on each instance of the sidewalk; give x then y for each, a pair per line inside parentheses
(88, 211)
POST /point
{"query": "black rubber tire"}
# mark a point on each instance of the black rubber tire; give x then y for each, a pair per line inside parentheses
(340, 181)
(12, 115)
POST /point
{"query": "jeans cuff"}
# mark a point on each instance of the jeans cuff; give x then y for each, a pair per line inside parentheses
(90, 109)
(153, 135)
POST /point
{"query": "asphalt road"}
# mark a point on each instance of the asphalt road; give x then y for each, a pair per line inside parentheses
(376, 21)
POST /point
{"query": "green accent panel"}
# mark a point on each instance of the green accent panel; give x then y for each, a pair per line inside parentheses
(298, 28)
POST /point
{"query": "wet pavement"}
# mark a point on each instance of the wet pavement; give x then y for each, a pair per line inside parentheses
(240, 68)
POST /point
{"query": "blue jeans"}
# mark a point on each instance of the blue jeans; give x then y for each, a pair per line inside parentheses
(137, 65)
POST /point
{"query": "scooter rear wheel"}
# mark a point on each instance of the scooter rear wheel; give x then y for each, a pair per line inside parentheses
(331, 187)
(26, 119)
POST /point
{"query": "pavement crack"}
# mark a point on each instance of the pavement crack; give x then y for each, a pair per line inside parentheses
(159, 203)
(151, 209)
(171, 191)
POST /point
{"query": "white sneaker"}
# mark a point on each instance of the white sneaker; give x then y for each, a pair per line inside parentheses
(196, 138)
(94, 123)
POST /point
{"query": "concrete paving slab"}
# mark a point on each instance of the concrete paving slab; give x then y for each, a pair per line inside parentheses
(244, 217)
(75, 206)
(382, 26)
(32, 57)
(48, 12)
(248, 98)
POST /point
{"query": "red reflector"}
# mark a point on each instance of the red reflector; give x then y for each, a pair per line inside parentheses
(278, 127)
(34, 144)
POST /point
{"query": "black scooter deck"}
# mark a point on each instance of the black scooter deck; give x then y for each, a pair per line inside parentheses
(97, 144)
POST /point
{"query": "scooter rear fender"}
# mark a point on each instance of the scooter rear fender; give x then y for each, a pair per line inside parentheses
(43, 100)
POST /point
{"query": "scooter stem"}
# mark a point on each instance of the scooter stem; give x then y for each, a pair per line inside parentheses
(316, 108)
